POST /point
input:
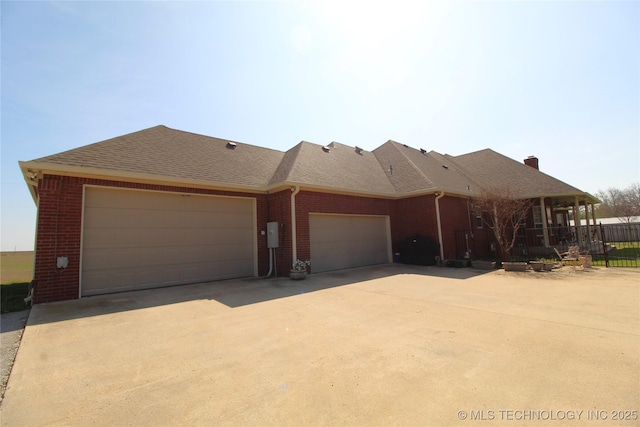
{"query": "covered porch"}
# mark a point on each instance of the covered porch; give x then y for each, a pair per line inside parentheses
(552, 223)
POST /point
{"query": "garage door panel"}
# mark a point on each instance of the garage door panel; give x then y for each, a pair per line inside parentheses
(141, 277)
(158, 257)
(345, 241)
(137, 239)
(150, 218)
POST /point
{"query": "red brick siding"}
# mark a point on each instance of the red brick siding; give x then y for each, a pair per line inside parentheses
(280, 212)
(414, 216)
(59, 231)
(60, 212)
(59, 219)
(482, 239)
(454, 215)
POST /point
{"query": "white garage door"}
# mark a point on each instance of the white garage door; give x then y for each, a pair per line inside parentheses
(345, 241)
(141, 239)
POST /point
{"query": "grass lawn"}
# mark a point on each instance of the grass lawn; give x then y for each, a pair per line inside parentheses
(630, 250)
(12, 297)
(626, 254)
(16, 271)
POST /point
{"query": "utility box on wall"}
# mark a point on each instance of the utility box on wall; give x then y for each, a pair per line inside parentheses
(272, 235)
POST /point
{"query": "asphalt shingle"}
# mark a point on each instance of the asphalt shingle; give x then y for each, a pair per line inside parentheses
(162, 151)
(491, 169)
(393, 169)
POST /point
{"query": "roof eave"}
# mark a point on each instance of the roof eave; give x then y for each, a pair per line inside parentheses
(41, 168)
(581, 195)
(30, 176)
(326, 189)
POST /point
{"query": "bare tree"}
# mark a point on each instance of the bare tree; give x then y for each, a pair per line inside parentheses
(504, 215)
(624, 204)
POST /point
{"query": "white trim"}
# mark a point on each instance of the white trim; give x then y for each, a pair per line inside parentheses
(254, 206)
(84, 192)
(389, 248)
(148, 190)
(294, 234)
(35, 241)
(125, 176)
(439, 223)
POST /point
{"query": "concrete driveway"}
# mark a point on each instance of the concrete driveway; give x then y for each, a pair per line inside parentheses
(388, 345)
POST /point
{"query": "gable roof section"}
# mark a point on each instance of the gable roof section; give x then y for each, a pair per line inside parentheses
(417, 171)
(163, 152)
(490, 169)
(335, 166)
(402, 174)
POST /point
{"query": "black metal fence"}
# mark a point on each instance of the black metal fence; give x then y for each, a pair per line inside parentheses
(610, 245)
(623, 244)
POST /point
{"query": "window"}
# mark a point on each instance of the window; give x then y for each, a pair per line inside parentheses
(537, 217)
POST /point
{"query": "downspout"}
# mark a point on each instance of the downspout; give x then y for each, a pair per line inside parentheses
(439, 195)
(29, 298)
(270, 249)
(545, 223)
(294, 248)
(470, 226)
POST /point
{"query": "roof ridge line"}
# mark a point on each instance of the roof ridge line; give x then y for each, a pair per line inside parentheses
(411, 162)
(291, 162)
(461, 170)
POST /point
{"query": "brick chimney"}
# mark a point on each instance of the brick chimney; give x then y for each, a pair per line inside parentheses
(532, 161)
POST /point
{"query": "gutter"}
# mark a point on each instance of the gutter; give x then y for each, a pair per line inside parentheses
(40, 169)
(294, 247)
(439, 195)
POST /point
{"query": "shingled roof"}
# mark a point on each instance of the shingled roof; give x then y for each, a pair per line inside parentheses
(490, 169)
(163, 152)
(417, 171)
(333, 166)
(391, 170)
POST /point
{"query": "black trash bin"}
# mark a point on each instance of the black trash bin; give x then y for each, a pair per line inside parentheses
(419, 250)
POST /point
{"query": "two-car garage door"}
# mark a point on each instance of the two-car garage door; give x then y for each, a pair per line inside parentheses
(345, 241)
(142, 239)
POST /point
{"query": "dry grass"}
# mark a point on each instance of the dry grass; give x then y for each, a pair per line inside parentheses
(16, 267)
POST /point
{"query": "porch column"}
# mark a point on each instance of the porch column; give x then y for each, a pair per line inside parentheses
(576, 219)
(545, 224)
(587, 218)
(595, 224)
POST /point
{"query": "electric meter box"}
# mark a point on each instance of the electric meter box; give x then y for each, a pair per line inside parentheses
(272, 235)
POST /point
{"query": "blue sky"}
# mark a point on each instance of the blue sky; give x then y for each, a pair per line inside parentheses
(559, 80)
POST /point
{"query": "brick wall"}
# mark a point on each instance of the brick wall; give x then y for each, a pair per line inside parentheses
(454, 215)
(280, 211)
(59, 231)
(414, 216)
(311, 202)
(60, 213)
(59, 218)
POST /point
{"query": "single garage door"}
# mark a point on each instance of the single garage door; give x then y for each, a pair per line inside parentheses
(345, 241)
(141, 239)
